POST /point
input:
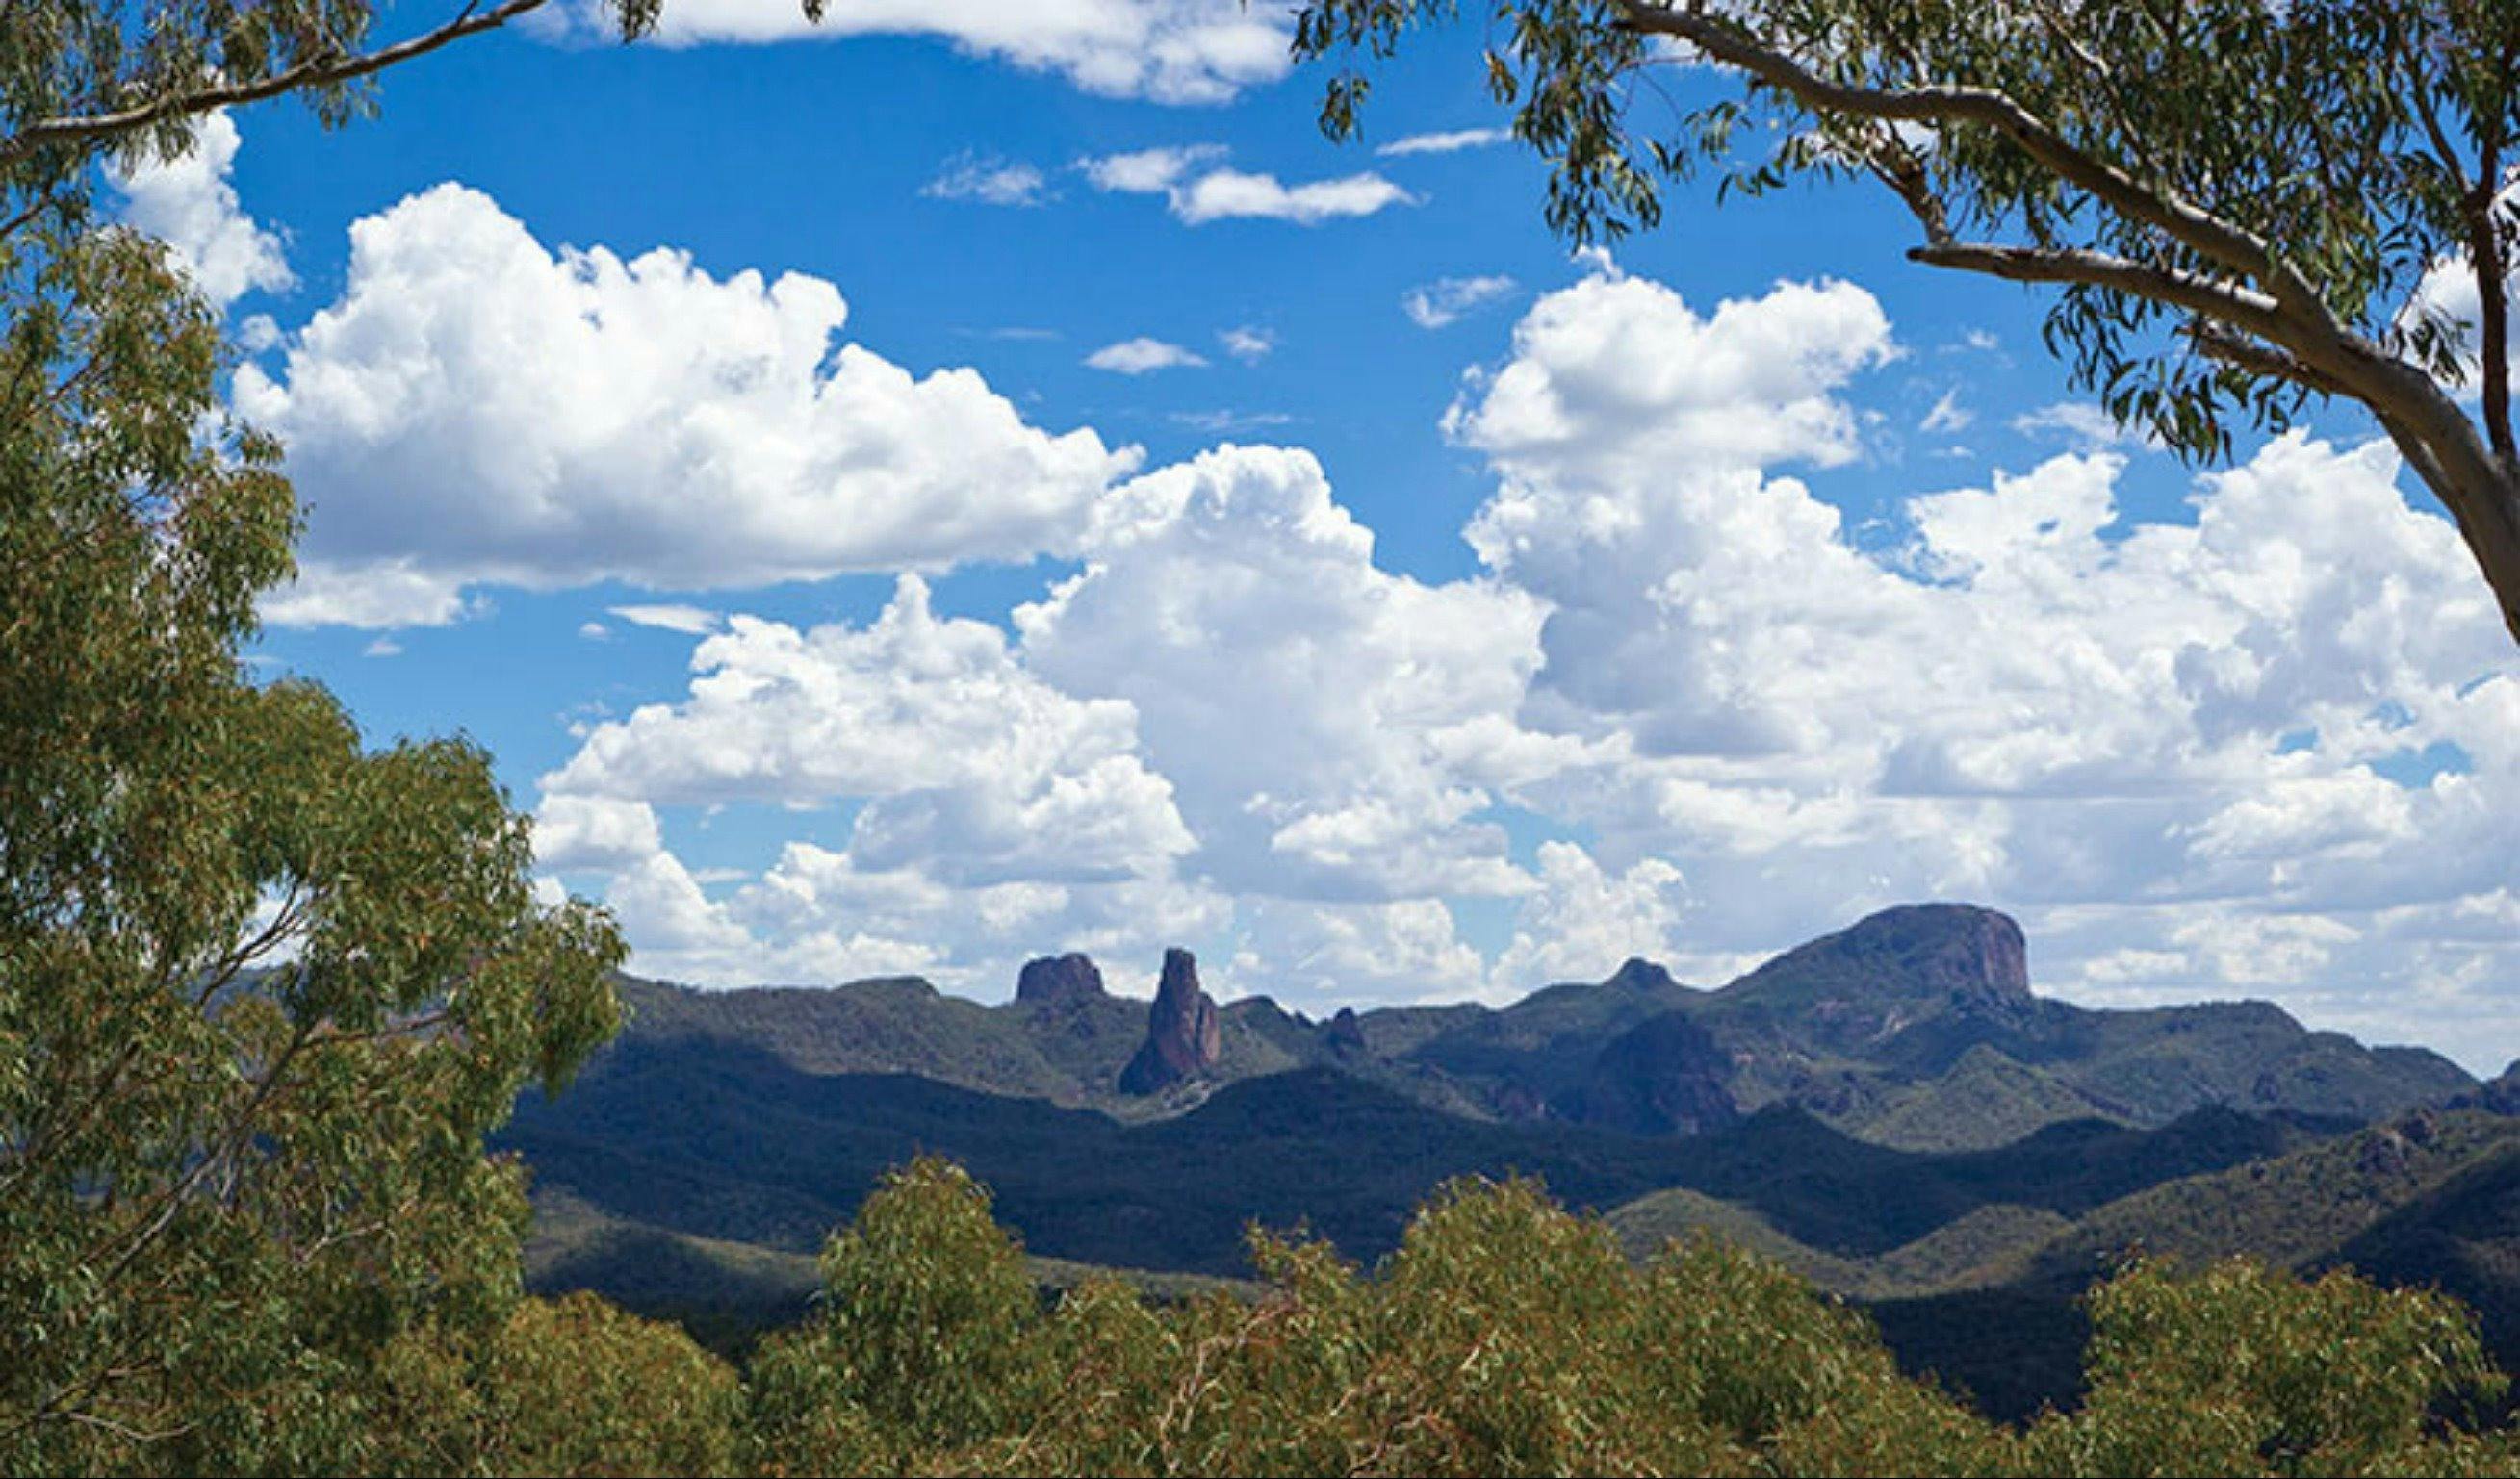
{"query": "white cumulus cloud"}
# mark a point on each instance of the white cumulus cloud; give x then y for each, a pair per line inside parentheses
(2168, 745)
(189, 204)
(479, 408)
(967, 764)
(2271, 746)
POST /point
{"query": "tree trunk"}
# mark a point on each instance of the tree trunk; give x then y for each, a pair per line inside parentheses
(2488, 512)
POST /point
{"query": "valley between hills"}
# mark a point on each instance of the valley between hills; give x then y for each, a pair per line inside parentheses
(1891, 1111)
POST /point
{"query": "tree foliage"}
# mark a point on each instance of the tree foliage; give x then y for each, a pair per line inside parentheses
(2241, 206)
(1506, 1336)
(264, 990)
(568, 1386)
(84, 77)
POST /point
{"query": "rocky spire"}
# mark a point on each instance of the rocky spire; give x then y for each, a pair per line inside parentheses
(1056, 979)
(1184, 1034)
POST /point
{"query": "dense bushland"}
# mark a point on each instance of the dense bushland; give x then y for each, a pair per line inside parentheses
(1505, 1336)
(1508, 1336)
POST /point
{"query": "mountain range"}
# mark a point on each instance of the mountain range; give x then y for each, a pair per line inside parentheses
(1891, 1109)
(1914, 1028)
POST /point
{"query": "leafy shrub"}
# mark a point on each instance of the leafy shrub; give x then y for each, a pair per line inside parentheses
(2238, 1369)
(566, 1387)
(1506, 1336)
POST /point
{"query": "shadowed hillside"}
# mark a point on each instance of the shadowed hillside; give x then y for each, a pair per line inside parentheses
(1917, 1029)
(1890, 1110)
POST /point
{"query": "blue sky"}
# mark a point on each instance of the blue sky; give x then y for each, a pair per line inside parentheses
(843, 606)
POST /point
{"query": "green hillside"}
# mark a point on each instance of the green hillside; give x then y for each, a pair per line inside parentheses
(2295, 1211)
(1982, 1247)
(1985, 1100)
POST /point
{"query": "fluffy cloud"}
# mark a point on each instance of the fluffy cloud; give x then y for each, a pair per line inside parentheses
(1198, 190)
(2078, 423)
(969, 766)
(1170, 51)
(1946, 416)
(1586, 918)
(480, 408)
(1248, 342)
(671, 617)
(817, 917)
(1616, 381)
(189, 204)
(1147, 172)
(1225, 194)
(1303, 952)
(2270, 748)
(1311, 801)
(992, 814)
(574, 830)
(1322, 721)
(2178, 749)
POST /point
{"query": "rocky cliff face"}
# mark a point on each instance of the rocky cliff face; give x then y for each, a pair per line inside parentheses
(1055, 981)
(1850, 992)
(1184, 1035)
(1916, 950)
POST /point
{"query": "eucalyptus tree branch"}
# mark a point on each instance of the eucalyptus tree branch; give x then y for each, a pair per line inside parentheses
(2216, 341)
(2228, 302)
(1897, 167)
(169, 1201)
(284, 920)
(2492, 269)
(321, 71)
(46, 201)
(2103, 77)
(2490, 260)
(2234, 246)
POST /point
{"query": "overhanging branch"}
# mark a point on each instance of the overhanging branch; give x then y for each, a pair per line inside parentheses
(2234, 246)
(2217, 342)
(2229, 302)
(314, 72)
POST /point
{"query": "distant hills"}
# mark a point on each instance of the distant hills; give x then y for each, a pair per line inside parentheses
(1891, 1109)
(1915, 1028)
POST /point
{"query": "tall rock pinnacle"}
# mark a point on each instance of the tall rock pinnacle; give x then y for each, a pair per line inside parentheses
(1184, 1034)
